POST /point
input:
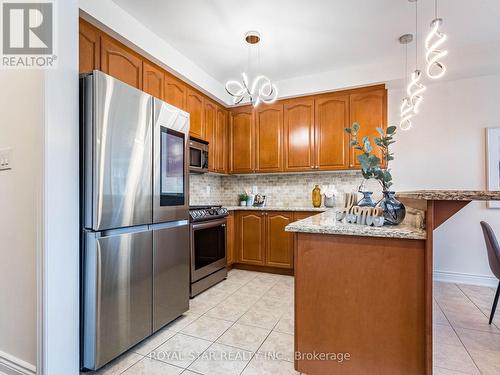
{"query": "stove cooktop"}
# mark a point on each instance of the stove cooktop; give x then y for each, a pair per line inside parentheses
(208, 212)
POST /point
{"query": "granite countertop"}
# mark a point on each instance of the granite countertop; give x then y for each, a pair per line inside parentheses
(276, 208)
(326, 223)
(451, 195)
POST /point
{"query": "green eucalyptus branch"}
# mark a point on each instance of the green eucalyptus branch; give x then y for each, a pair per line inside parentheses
(371, 164)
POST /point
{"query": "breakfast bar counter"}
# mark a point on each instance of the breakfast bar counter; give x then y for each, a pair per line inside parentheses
(364, 294)
(326, 223)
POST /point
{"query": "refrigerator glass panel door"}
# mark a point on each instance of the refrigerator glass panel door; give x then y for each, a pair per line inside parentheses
(122, 154)
(170, 163)
(117, 294)
(170, 272)
(172, 168)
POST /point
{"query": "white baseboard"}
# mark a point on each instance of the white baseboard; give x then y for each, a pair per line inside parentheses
(10, 365)
(465, 278)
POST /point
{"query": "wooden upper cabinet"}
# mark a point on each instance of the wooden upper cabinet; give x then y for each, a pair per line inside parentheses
(120, 62)
(153, 80)
(210, 114)
(332, 143)
(89, 47)
(299, 134)
(251, 229)
(242, 140)
(221, 141)
(175, 92)
(269, 138)
(194, 105)
(279, 247)
(369, 109)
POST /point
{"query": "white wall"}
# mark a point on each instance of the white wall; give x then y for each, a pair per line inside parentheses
(445, 149)
(21, 124)
(60, 331)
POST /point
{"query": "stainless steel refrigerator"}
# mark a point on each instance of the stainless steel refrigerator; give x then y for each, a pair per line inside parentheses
(135, 228)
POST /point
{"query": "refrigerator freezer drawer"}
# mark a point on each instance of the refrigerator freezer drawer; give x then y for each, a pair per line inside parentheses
(117, 293)
(170, 272)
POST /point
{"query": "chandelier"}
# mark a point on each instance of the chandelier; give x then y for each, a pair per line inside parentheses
(261, 90)
(435, 68)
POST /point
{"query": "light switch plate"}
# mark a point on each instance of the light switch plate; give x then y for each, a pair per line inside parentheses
(5, 159)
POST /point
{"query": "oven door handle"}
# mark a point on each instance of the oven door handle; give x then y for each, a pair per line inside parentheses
(209, 224)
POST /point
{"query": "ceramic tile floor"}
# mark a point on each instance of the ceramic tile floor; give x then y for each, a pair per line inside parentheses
(230, 328)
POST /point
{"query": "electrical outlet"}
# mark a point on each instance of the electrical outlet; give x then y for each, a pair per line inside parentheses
(5, 159)
(208, 189)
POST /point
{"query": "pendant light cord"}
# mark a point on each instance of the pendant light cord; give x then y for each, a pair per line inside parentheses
(406, 64)
(416, 34)
(435, 8)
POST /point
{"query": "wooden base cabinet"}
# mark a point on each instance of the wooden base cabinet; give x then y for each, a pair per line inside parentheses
(251, 238)
(262, 239)
(230, 237)
(279, 244)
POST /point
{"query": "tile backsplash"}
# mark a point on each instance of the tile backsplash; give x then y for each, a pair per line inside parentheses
(281, 189)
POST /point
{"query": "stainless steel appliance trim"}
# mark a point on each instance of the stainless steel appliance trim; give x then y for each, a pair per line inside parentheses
(90, 301)
(170, 224)
(212, 267)
(203, 284)
(87, 159)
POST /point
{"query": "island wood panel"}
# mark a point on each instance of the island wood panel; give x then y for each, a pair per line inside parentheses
(299, 135)
(279, 244)
(221, 141)
(269, 138)
(361, 295)
(89, 47)
(175, 92)
(153, 80)
(251, 233)
(121, 62)
(332, 142)
(195, 107)
(368, 108)
(300, 215)
(242, 151)
(210, 112)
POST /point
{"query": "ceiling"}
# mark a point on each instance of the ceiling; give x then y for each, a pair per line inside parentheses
(303, 37)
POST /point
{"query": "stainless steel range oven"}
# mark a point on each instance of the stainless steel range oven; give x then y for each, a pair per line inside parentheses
(208, 247)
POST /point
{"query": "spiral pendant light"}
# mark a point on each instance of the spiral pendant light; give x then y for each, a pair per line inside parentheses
(434, 41)
(411, 103)
(262, 90)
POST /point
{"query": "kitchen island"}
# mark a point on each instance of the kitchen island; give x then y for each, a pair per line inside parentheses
(363, 295)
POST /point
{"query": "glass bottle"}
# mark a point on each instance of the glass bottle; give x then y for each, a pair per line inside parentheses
(316, 197)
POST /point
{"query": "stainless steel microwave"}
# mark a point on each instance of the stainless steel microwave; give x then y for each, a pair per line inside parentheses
(198, 156)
